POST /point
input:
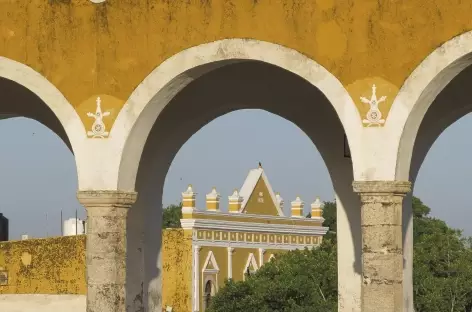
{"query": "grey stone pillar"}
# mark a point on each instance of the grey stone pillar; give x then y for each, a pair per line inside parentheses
(106, 248)
(382, 257)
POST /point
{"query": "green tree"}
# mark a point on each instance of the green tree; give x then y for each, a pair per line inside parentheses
(293, 282)
(171, 216)
(442, 265)
(298, 280)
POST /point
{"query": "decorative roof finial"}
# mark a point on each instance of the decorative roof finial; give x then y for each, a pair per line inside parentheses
(260, 165)
(317, 203)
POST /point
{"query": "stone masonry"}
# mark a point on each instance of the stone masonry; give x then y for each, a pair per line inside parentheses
(382, 259)
(106, 248)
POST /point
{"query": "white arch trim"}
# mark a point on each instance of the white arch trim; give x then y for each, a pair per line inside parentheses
(251, 261)
(210, 259)
(135, 120)
(419, 91)
(49, 94)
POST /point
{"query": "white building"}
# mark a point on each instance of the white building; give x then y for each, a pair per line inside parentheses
(73, 226)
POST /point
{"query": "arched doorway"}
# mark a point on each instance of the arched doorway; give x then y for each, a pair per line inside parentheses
(209, 293)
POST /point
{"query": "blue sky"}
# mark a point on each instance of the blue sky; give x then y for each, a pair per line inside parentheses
(38, 178)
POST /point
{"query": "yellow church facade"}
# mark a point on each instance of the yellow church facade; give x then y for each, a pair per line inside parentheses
(216, 245)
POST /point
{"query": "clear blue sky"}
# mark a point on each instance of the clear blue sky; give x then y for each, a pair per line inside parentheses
(38, 178)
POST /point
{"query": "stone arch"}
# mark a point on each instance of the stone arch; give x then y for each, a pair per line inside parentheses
(49, 95)
(222, 77)
(421, 111)
(143, 107)
(418, 93)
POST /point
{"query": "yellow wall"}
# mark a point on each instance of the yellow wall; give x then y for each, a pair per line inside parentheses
(254, 206)
(44, 266)
(57, 266)
(177, 269)
(88, 49)
(239, 259)
(221, 257)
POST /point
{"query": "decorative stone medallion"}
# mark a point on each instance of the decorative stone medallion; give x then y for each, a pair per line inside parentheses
(374, 116)
(98, 128)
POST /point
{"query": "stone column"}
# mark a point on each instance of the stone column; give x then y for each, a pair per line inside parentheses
(106, 248)
(382, 258)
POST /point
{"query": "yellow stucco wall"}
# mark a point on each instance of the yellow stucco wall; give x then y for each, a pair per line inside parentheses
(177, 269)
(107, 49)
(57, 266)
(256, 206)
(44, 266)
(239, 259)
(221, 257)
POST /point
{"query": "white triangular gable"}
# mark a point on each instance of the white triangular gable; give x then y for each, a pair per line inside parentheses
(251, 262)
(210, 264)
(250, 184)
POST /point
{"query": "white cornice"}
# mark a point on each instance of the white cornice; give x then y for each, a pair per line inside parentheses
(188, 224)
(256, 216)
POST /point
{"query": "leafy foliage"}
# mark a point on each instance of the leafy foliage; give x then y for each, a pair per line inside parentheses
(299, 280)
(293, 282)
(171, 216)
(442, 264)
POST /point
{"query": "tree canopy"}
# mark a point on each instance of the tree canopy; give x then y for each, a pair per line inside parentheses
(442, 265)
(171, 216)
(297, 281)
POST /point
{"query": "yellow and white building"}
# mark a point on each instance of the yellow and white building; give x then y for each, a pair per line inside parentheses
(212, 246)
(228, 245)
(372, 84)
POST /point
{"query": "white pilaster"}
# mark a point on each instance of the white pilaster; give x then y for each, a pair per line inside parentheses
(261, 256)
(196, 278)
(230, 262)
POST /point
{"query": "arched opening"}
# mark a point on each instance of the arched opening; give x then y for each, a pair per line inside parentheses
(209, 292)
(231, 87)
(443, 181)
(448, 105)
(38, 169)
(38, 183)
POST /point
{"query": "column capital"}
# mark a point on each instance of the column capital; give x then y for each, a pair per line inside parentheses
(98, 198)
(382, 187)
